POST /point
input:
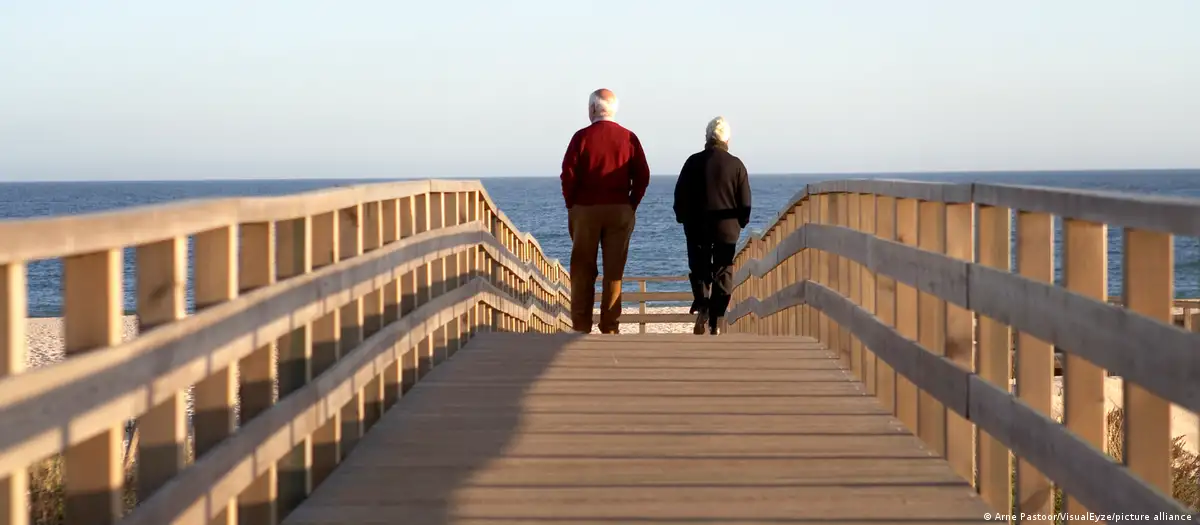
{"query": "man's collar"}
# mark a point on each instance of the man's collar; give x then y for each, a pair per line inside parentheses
(605, 119)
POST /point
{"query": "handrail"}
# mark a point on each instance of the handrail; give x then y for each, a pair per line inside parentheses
(339, 299)
(1167, 214)
(62, 236)
(886, 273)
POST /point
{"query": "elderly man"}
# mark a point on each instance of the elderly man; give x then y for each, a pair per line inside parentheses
(604, 177)
(712, 201)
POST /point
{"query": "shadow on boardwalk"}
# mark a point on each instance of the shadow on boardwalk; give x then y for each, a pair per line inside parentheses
(639, 429)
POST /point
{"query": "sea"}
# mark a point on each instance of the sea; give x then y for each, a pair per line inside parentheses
(535, 205)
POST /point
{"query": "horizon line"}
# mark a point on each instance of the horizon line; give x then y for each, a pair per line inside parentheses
(652, 175)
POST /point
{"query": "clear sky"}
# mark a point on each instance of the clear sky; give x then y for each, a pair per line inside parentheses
(405, 88)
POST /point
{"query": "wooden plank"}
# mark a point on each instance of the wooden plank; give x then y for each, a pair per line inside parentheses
(657, 318)
(853, 277)
(1034, 357)
(392, 296)
(350, 245)
(161, 288)
(641, 306)
(216, 281)
(960, 340)
(1148, 289)
(14, 485)
(885, 301)
(869, 290)
(931, 326)
(907, 311)
(257, 371)
(1085, 271)
(995, 359)
(295, 360)
(646, 452)
(92, 311)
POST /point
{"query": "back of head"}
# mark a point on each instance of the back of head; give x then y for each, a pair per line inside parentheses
(717, 131)
(602, 104)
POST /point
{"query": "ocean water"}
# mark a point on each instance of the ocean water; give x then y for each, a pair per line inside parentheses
(535, 205)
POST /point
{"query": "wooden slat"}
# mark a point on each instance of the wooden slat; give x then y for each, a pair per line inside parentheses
(609, 450)
(14, 485)
(885, 301)
(907, 313)
(995, 359)
(1148, 290)
(931, 326)
(257, 371)
(295, 362)
(350, 245)
(216, 281)
(960, 339)
(92, 307)
(869, 291)
(161, 287)
(1034, 357)
(391, 299)
(1085, 271)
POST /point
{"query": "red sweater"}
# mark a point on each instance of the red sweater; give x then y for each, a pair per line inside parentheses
(604, 164)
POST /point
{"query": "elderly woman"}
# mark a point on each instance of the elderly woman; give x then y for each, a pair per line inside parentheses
(712, 202)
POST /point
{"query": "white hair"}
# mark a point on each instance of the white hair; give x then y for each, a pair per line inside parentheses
(717, 130)
(599, 107)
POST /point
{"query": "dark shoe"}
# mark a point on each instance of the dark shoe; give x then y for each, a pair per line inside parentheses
(701, 320)
(714, 328)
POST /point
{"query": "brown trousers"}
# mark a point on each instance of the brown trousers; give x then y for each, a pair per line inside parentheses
(605, 227)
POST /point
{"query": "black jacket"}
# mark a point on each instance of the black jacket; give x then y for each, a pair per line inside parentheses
(713, 186)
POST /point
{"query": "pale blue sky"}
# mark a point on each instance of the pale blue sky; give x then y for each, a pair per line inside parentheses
(223, 89)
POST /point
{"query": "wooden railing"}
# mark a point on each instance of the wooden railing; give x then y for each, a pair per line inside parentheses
(314, 313)
(642, 297)
(910, 284)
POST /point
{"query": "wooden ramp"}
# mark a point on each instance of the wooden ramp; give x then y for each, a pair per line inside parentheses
(568, 429)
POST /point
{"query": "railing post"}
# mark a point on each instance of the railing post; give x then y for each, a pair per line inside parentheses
(824, 328)
(92, 308)
(868, 287)
(162, 440)
(1035, 358)
(841, 271)
(257, 373)
(809, 314)
(294, 258)
(642, 305)
(995, 359)
(885, 300)
(931, 325)
(326, 335)
(960, 339)
(216, 281)
(1085, 271)
(1148, 290)
(373, 311)
(350, 245)
(907, 312)
(853, 276)
(14, 485)
(392, 293)
(793, 277)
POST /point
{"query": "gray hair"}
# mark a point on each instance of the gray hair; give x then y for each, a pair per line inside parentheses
(602, 104)
(717, 130)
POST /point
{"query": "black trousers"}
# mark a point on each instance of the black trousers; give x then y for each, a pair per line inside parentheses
(710, 247)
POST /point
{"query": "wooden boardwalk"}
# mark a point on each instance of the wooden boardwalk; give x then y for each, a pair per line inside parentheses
(546, 429)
